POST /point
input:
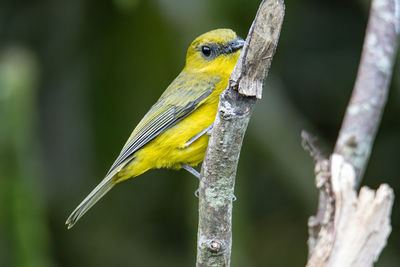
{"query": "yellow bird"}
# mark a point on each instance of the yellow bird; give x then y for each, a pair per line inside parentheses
(174, 132)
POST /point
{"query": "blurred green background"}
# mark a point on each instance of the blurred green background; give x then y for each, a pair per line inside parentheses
(76, 77)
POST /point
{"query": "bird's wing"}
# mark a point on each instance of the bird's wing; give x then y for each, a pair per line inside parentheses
(181, 98)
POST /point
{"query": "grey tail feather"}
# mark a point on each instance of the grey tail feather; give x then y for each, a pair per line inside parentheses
(94, 196)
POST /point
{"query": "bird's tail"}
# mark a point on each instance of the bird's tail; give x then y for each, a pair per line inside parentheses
(94, 196)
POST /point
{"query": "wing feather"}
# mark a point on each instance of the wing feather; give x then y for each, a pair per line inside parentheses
(180, 99)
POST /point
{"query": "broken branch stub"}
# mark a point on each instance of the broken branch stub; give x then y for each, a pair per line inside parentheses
(261, 42)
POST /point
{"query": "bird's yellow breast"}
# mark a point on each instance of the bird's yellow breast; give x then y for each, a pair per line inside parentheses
(168, 149)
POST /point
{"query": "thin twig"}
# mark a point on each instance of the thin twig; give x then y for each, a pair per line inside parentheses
(308, 142)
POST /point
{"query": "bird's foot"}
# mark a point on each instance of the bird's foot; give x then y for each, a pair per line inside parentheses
(197, 174)
(191, 170)
(197, 136)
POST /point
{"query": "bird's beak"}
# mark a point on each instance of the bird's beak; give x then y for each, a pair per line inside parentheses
(237, 44)
(232, 46)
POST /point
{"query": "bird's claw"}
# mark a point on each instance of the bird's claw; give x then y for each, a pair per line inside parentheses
(206, 131)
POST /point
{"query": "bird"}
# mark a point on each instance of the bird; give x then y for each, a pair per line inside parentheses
(174, 133)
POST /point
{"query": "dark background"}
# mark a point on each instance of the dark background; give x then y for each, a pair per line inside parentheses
(77, 76)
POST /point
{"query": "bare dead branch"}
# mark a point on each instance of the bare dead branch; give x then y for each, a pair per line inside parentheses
(357, 232)
(350, 230)
(364, 112)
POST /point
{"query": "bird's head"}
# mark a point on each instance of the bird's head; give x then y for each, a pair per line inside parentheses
(214, 51)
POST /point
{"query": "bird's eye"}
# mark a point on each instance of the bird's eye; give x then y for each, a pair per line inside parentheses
(206, 51)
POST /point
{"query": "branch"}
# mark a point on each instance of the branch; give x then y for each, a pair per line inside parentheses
(357, 232)
(364, 112)
(350, 230)
(236, 104)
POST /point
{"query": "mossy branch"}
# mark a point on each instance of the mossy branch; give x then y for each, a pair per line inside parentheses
(218, 172)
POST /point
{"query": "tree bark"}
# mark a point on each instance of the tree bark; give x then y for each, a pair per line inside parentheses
(218, 172)
(371, 88)
(351, 230)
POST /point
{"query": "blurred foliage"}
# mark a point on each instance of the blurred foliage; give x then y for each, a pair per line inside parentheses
(76, 77)
(22, 222)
